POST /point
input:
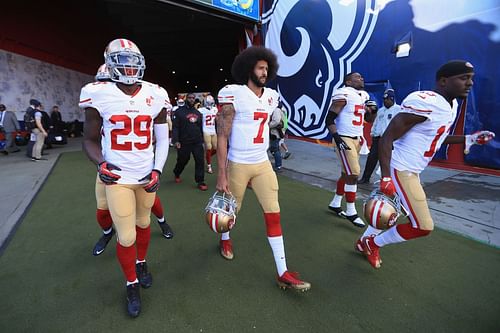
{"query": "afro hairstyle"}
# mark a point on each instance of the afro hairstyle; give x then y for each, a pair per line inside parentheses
(245, 62)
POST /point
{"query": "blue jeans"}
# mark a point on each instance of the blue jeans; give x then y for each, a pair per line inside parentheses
(274, 147)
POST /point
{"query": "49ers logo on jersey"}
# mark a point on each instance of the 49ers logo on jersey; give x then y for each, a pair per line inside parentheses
(270, 101)
(149, 100)
(192, 117)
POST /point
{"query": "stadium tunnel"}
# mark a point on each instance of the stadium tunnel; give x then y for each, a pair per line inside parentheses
(187, 46)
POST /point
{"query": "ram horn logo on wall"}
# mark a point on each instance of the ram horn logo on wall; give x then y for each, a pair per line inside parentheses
(315, 42)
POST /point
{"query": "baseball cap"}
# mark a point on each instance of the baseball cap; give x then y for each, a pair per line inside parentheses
(35, 102)
(389, 93)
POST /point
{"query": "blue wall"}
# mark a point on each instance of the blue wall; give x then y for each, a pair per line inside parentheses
(319, 41)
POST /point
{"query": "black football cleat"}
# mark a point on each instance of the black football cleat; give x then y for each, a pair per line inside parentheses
(338, 211)
(101, 244)
(356, 220)
(133, 300)
(166, 230)
(145, 278)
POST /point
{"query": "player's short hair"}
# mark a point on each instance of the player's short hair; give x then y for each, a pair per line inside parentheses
(245, 62)
(348, 76)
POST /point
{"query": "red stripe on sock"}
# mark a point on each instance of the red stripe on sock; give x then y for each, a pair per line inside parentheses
(408, 232)
(126, 257)
(104, 218)
(350, 196)
(273, 224)
(157, 208)
(340, 186)
(142, 241)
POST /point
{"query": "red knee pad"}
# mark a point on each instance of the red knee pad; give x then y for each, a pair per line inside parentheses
(273, 224)
(408, 232)
(104, 218)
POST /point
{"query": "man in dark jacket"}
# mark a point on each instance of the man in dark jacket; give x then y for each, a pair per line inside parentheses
(9, 125)
(187, 136)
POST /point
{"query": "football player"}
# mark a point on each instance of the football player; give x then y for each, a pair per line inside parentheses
(102, 212)
(126, 110)
(345, 120)
(209, 112)
(105, 221)
(243, 122)
(416, 133)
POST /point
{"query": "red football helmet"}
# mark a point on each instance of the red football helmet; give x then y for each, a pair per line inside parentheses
(221, 212)
(382, 211)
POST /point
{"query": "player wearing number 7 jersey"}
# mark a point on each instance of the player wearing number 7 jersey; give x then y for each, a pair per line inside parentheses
(416, 133)
(244, 121)
(119, 121)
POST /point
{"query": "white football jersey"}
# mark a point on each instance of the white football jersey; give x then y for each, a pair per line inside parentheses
(209, 115)
(350, 120)
(414, 150)
(249, 138)
(127, 125)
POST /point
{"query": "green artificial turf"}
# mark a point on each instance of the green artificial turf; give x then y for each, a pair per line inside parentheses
(50, 282)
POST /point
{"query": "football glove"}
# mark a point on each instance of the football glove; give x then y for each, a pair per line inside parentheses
(105, 173)
(154, 181)
(478, 138)
(371, 105)
(387, 186)
(341, 145)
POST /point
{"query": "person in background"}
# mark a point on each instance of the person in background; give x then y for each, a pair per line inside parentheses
(382, 120)
(10, 126)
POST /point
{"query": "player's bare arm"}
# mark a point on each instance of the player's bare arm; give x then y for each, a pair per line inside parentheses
(224, 124)
(398, 126)
(454, 139)
(92, 135)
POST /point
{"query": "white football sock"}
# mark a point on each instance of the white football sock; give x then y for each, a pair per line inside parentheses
(161, 220)
(137, 261)
(225, 236)
(390, 236)
(371, 231)
(129, 283)
(278, 247)
(351, 209)
(336, 201)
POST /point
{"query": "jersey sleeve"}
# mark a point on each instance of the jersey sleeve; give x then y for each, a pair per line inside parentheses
(164, 98)
(226, 95)
(339, 95)
(86, 95)
(419, 103)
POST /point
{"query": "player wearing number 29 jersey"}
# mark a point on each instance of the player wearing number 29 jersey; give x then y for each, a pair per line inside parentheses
(120, 119)
(127, 125)
(244, 121)
(408, 145)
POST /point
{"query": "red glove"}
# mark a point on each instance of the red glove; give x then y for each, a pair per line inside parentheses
(105, 173)
(154, 181)
(478, 138)
(387, 186)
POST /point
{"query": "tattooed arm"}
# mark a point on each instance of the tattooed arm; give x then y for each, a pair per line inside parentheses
(224, 125)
